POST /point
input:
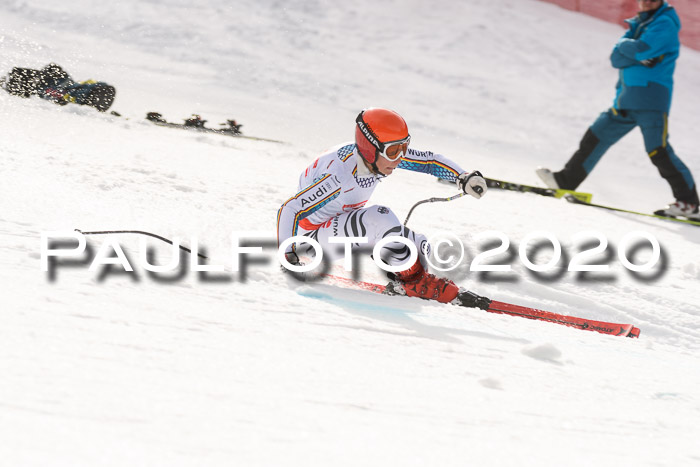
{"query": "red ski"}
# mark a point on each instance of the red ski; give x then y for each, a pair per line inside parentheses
(615, 329)
(471, 300)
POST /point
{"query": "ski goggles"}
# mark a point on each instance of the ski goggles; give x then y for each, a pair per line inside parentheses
(394, 150)
(391, 150)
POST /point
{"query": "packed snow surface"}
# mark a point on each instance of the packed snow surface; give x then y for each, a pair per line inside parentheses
(113, 368)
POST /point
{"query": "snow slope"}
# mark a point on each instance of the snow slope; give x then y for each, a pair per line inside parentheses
(124, 368)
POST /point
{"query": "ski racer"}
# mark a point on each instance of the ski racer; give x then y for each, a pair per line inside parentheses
(334, 189)
(646, 58)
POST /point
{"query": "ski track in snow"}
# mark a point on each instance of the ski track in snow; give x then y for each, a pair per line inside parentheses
(120, 368)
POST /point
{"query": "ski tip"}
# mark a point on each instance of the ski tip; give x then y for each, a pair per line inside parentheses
(634, 332)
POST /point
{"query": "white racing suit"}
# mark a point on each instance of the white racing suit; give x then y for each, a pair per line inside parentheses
(331, 200)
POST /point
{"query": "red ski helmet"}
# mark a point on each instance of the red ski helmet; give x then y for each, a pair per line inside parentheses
(381, 132)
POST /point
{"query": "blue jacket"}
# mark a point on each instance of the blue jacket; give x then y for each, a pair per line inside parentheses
(646, 56)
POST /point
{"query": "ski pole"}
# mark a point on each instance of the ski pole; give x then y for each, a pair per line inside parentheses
(431, 200)
(140, 232)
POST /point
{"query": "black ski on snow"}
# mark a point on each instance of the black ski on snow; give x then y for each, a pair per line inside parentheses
(195, 123)
(610, 208)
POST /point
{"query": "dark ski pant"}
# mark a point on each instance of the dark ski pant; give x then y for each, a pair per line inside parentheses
(608, 129)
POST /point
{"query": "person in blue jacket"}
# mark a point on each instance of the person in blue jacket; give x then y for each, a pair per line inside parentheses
(646, 57)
